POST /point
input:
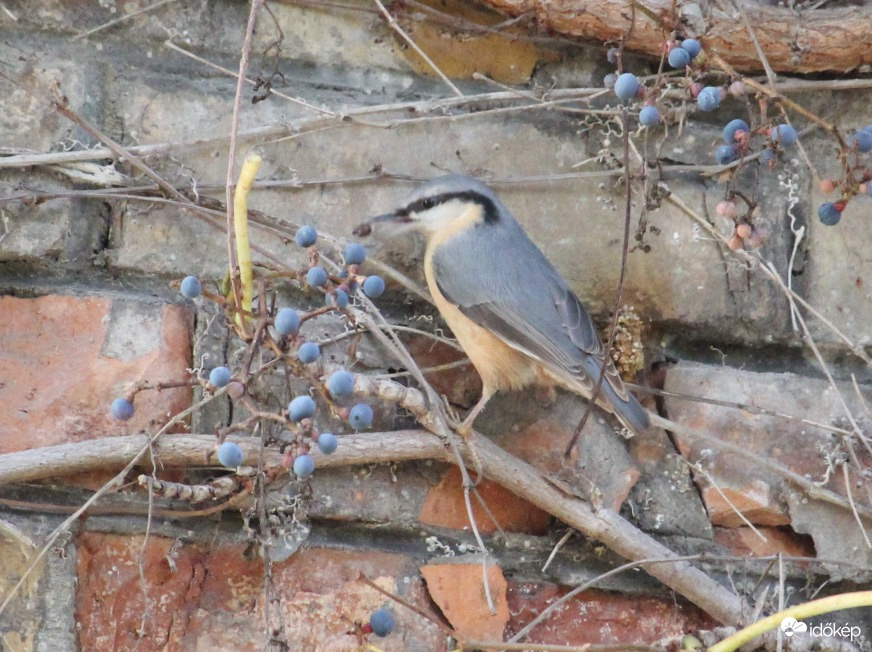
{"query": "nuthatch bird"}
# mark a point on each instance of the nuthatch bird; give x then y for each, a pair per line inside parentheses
(515, 317)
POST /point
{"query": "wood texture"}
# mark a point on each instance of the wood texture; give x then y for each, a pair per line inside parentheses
(822, 40)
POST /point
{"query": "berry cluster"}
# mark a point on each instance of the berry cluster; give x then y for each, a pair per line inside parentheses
(744, 232)
(287, 340)
(627, 86)
(741, 140)
(858, 178)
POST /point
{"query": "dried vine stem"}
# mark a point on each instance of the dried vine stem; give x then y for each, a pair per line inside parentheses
(498, 465)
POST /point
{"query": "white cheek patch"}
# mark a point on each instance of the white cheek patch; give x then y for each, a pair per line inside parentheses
(441, 216)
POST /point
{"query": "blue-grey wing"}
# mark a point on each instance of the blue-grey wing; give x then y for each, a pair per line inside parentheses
(506, 285)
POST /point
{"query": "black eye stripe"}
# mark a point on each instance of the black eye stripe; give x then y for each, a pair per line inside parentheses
(426, 203)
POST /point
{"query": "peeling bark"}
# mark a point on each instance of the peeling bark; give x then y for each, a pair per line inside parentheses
(823, 40)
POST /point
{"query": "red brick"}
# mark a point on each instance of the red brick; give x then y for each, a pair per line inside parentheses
(58, 380)
(214, 598)
(445, 507)
(596, 617)
(743, 542)
(787, 442)
(461, 385)
(543, 442)
(459, 591)
(753, 500)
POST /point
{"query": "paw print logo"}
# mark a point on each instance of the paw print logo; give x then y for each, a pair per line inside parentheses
(791, 626)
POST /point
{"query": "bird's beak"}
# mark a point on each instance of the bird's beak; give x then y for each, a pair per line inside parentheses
(390, 217)
(365, 229)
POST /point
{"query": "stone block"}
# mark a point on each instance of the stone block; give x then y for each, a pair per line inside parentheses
(838, 276)
(35, 234)
(682, 279)
(761, 495)
(28, 120)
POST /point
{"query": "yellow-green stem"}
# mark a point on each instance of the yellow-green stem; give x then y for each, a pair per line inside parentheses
(800, 612)
(240, 221)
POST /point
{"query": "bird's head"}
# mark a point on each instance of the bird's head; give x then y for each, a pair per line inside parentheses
(451, 202)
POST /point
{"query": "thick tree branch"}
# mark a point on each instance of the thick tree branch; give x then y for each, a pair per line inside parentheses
(521, 478)
(807, 42)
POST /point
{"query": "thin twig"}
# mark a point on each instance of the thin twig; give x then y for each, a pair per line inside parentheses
(619, 293)
(801, 481)
(248, 80)
(770, 74)
(438, 422)
(847, 478)
(556, 549)
(855, 348)
(698, 468)
(143, 582)
(121, 19)
(554, 606)
(825, 368)
(392, 22)
(111, 484)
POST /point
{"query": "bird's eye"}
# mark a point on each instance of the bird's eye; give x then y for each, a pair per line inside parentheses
(428, 203)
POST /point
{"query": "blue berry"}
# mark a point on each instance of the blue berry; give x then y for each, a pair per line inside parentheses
(304, 466)
(726, 154)
(679, 58)
(612, 55)
(121, 409)
(767, 155)
(648, 116)
(190, 287)
(692, 46)
(868, 128)
(340, 383)
(340, 300)
(316, 276)
(860, 139)
(306, 236)
(374, 286)
(382, 622)
(609, 80)
(869, 189)
(287, 321)
(230, 455)
(360, 416)
(302, 407)
(829, 214)
(626, 86)
(219, 376)
(783, 134)
(327, 443)
(308, 352)
(732, 127)
(709, 98)
(355, 254)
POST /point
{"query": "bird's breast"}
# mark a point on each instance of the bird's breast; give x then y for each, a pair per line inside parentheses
(500, 366)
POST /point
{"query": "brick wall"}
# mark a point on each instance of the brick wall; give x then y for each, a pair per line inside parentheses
(89, 309)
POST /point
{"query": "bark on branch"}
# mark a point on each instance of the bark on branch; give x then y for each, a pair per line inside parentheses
(820, 40)
(602, 524)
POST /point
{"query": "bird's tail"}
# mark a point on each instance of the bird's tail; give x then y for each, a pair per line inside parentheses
(628, 411)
